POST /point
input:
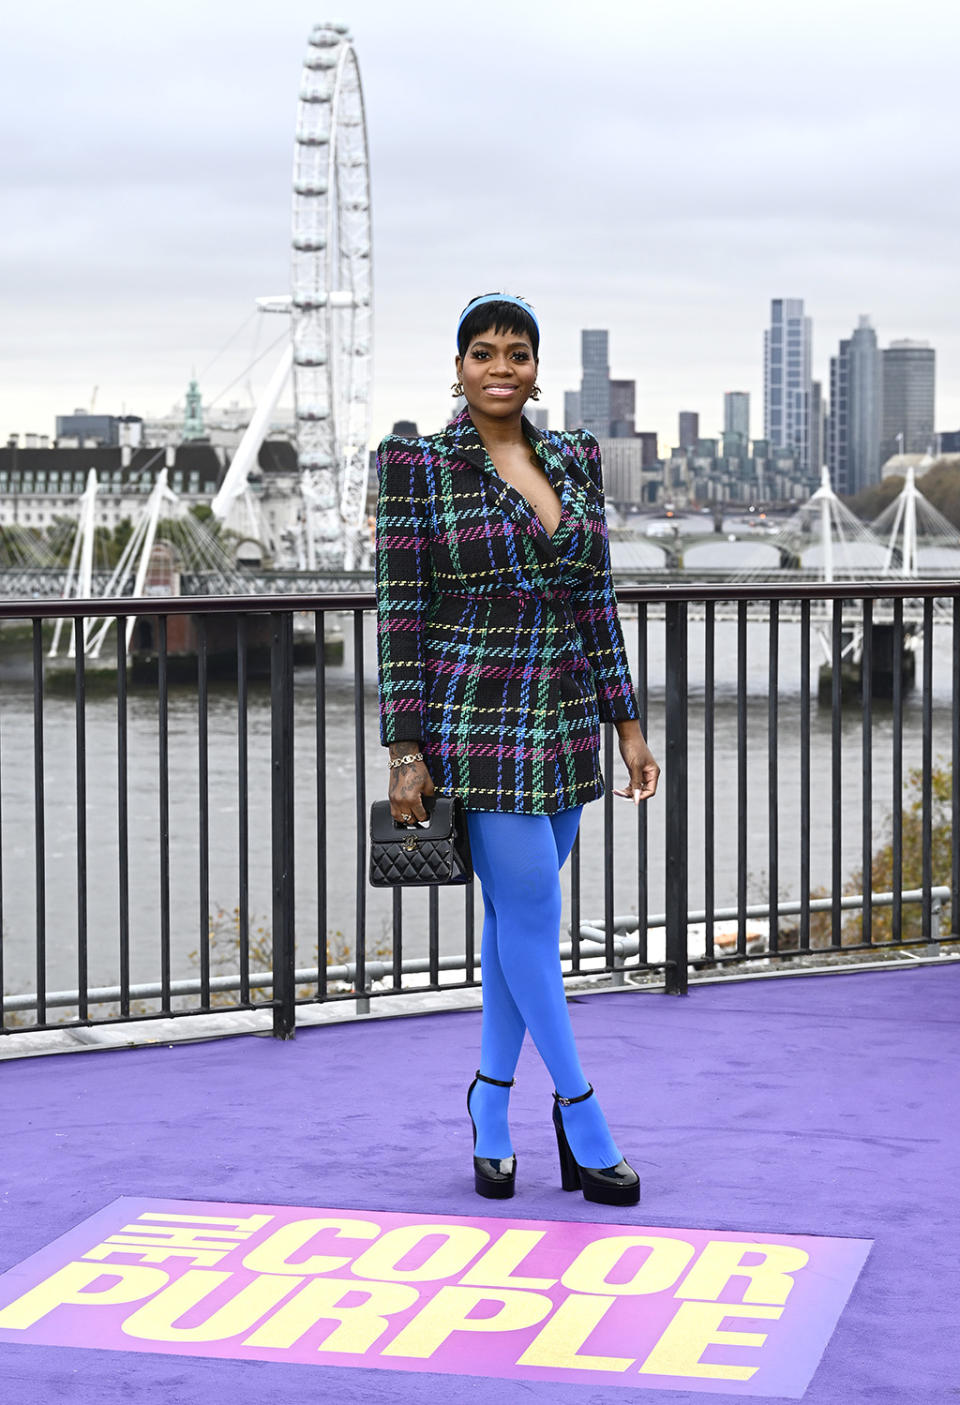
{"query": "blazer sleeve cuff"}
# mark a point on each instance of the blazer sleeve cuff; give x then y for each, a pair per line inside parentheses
(617, 703)
(402, 722)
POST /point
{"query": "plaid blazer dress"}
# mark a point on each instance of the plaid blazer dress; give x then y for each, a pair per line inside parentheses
(499, 647)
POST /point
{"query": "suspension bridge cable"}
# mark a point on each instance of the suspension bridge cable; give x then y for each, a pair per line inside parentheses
(282, 337)
(230, 340)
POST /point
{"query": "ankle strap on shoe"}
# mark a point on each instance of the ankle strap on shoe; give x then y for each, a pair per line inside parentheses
(497, 1082)
(565, 1102)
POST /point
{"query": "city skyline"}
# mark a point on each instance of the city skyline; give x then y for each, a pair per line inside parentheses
(135, 249)
(852, 437)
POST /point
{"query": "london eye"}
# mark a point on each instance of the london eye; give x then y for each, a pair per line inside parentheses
(332, 298)
(331, 315)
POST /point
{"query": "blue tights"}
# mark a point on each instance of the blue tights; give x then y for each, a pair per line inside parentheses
(518, 859)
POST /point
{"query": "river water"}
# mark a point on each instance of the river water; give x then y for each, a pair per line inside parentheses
(17, 827)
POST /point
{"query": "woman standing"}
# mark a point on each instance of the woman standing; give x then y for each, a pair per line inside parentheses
(500, 652)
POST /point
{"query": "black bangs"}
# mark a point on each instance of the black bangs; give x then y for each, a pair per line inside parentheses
(498, 317)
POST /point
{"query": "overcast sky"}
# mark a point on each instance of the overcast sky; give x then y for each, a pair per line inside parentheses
(660, 169)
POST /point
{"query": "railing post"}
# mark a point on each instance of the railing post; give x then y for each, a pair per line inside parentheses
(281, 812)
(675, 797)
(932, 947)
(361, 979)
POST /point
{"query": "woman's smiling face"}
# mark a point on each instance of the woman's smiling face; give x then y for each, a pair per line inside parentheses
(498, 372)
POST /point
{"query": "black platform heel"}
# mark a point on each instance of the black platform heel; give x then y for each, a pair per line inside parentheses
(493, 1177)
(605, 1185)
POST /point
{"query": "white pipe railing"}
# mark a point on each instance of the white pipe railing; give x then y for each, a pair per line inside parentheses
(624, 947)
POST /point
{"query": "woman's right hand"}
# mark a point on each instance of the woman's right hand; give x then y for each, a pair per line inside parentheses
(409, 783)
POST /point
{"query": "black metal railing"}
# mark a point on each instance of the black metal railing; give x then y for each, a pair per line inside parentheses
(135, 792)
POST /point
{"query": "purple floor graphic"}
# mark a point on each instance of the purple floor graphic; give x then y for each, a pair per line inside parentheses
(535, 1300)
(809, 1113)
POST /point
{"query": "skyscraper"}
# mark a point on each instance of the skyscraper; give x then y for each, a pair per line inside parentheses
(595, 383)
(787, 360)
(688, 429)
(818, 428)
(856, 412)
(648, 445)
(623, 409)
(909, 371)
(838, 423)
(865, 408)
(571, 410)
(736, 414)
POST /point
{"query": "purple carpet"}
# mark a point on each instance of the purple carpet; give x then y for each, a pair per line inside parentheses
(812, 1106)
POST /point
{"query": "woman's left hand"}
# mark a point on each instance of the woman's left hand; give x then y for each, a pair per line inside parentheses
(640, 762)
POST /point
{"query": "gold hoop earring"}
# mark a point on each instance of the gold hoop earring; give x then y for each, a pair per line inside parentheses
(457, 389)
(535, 393)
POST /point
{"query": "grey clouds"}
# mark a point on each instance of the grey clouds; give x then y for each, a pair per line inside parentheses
(659, 170)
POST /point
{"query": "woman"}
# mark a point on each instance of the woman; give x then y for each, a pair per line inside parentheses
(500, 651)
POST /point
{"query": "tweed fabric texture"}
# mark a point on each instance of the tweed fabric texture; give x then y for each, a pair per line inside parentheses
(499, 647)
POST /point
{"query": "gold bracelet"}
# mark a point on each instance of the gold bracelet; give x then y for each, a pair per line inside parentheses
(403, 760)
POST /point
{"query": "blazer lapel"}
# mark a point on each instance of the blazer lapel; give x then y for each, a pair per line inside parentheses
(466, 444)
(461, 434)
(558, 460)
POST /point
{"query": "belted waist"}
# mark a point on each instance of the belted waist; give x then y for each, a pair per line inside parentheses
(561, 593)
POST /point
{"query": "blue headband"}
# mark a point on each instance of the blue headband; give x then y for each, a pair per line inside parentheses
(499, 297)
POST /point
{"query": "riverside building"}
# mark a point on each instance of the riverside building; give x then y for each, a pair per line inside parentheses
(40, 485)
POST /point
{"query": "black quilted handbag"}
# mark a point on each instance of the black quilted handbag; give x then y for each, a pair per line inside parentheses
(411, 856)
